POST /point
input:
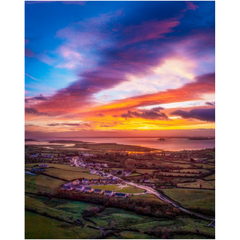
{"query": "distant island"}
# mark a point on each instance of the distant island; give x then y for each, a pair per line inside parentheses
(29, 139)
(201, 138)
(161, 139)
(64, 141)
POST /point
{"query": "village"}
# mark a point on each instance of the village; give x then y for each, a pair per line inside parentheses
(152, 183)
(160, 169)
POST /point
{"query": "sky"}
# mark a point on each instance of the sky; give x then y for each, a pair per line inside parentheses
(119, 69)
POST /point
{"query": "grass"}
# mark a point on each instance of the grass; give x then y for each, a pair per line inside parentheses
(41, 183)
(194, 199)
(115, 188)
(66, 171)
(65, 210)
(210, 177)
(70, 174)
(200, 170)
(41, 227)
(204, 165)
(38, 226)
(177, 165)
(135, 235)
(187, 236)
(198, 183)
(134, 175)
(149, 197)
(177, 174)
(149, 171)
(194, 225)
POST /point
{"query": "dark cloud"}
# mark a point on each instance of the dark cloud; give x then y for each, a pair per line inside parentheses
(53, 124)
(203, 114)
(69, 124)
(105, 125)
(30, 125)
(33, 111)
(154, 114)
(210, 103)
(100, 115)
(40, 97)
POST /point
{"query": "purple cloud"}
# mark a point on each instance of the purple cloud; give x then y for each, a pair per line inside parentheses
(33, 111)
(202, 114)
(154, 114)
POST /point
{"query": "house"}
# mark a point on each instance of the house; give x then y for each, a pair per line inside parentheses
(95, 181)
(37, 170)
(88, 190)
(76, 182)
(43, 165)
(98, 168)
(99, 173)
(104, 165)
(67, 184)
(93, 171)
(113, 181)
(121, 195)
(67, 188)
(79, 188)
(85, 181)
(104, 180)
(108, 193)
(98, 191)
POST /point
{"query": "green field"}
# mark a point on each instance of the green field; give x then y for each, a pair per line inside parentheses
(194, 199)
(41, 183)
(41, 227)
(66, 171)
(198, 183)
(38, 226)
(204, 165)
(142, 171)
(200, 170)
(149, 197)
(210, 177)
(178, 174)
(116, 188)
(71, 174)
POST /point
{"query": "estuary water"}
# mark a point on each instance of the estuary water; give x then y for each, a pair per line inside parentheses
(173, 144)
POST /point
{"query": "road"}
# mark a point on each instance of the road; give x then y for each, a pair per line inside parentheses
(158, 195)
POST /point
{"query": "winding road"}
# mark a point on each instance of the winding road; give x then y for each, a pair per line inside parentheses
(160, 196)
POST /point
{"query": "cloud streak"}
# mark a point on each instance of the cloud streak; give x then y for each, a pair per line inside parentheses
(202, 114)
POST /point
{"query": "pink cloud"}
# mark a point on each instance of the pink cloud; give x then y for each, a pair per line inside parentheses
(150, 30)
(28, 52)
(191, 6)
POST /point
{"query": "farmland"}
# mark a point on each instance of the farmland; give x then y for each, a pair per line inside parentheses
(198, 184)
(61, 215)
(116, 188)
(140, 215)
(194, 199)
(41, 183)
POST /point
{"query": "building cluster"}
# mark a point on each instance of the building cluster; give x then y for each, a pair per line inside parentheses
(84, 186)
